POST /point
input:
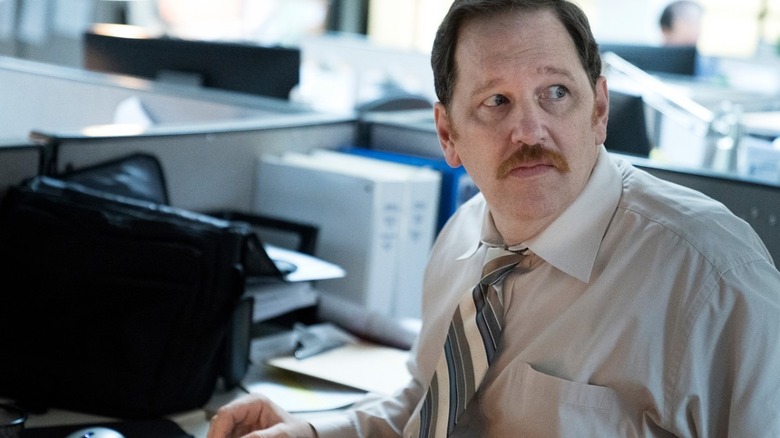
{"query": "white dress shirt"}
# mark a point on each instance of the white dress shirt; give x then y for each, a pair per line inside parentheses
(645, 310)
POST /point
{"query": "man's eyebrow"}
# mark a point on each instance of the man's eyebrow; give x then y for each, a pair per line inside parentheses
(480, 88)
(545, 70)
(556, 71)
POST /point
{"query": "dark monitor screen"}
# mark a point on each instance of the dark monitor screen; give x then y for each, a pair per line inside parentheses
(627, 127)
(678, 60)
(246, 68)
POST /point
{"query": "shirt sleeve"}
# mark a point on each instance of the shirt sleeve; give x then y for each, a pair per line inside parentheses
(729, 374)
(373, 416)
(337, 425)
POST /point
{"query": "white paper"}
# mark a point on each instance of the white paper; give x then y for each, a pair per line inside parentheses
(361, 365)
(296, 393)
(293, 391)
(308, 268)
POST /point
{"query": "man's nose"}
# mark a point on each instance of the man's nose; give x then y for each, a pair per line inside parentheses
(528, 124)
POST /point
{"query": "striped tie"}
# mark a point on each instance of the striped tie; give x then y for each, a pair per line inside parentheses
(469, 349)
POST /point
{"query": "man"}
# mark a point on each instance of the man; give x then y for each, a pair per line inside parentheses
(637, 307)
(681, 23)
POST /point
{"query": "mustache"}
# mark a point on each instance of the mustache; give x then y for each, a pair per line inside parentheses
(532, 154)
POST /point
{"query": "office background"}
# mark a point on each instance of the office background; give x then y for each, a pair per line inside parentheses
(354, 52)
(744, 35)
(349, 57)
(357, 52)
(49, 30)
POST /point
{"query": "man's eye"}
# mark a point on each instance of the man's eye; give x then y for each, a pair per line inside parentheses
(496, 100)
(555, 92)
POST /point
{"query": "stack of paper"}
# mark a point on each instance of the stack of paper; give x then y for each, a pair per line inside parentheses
(329, 380)
(275, 297)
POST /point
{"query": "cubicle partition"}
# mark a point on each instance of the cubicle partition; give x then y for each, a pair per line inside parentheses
(411, 132)
(209, 166)
(43, 96)
(206, 139)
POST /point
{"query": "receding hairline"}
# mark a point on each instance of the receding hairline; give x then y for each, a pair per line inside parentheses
(546, 69)
(450, 33)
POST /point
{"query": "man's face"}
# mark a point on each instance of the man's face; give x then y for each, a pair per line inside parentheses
(523, 119)
(684, 32)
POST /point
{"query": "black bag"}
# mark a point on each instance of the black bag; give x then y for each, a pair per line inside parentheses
(119, 306)
(137, 175)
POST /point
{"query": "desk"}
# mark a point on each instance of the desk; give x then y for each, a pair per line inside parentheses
(196, 422)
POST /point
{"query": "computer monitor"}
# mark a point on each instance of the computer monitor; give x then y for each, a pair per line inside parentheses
(241, 67)
(677, 60)
(627, 127)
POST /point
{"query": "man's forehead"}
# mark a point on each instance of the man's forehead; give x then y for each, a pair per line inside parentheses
(528, 39)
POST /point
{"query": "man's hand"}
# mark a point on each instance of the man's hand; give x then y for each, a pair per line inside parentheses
(255, 416)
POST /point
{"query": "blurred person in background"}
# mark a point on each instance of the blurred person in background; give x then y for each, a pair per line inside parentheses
(681, 23)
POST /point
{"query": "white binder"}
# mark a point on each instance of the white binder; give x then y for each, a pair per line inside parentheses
(418, 222)
(376, 220)
(358, 220)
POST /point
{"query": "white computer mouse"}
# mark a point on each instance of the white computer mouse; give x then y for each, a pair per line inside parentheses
(95, 432)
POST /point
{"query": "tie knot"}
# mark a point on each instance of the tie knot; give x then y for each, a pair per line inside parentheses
(498, 262)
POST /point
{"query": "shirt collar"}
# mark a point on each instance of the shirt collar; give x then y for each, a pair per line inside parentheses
(571, 242)
(489, 235)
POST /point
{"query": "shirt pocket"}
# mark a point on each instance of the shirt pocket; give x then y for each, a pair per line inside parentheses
(522, 401)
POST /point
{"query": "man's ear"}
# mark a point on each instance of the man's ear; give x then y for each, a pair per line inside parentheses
(601, 110)
(446, 136)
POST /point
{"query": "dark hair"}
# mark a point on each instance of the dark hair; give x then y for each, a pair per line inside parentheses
(675, 9)
(444, 45)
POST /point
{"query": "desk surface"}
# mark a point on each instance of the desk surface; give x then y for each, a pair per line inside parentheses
(196, 422)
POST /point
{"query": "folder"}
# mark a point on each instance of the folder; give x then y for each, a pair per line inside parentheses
(370, 221)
